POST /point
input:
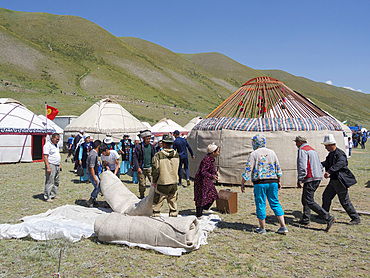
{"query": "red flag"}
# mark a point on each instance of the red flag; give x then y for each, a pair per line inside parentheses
(51, 112)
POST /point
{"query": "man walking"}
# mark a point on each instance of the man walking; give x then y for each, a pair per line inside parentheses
(93, 172)
(165, 166)
(52, 167)
(143, 155)
(310, 174)
(341, 178)
(181, 145)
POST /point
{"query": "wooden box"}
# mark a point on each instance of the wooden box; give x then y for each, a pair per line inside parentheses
(227, 202)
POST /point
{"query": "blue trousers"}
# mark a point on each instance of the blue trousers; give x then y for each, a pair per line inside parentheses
(185, 162)
(269, 190)
(96, 190)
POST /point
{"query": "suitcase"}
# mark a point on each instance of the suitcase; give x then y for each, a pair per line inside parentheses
(227, 202)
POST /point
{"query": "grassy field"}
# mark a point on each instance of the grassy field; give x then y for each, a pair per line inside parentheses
(233, 249)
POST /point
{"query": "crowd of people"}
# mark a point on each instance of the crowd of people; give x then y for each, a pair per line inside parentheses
(162, 164)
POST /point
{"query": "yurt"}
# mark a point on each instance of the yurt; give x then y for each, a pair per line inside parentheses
(50, 124)
(105, 117)
(166, 126)
(147, 125)
(22, 133)
(263, 105)
(192, 123)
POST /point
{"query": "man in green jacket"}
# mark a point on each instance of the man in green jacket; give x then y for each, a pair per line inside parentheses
(165, 165)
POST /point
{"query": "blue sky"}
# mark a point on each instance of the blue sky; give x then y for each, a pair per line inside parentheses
(320, 40)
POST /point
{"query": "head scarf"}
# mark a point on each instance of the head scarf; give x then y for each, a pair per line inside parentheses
(258, 141)
(211, 148)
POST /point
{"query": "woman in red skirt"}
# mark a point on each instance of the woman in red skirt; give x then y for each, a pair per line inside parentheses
(205, 192)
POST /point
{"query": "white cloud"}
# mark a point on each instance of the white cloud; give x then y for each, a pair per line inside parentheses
(329, 82)
(350, 88)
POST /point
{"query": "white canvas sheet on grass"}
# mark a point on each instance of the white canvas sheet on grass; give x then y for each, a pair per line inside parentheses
(74, 222)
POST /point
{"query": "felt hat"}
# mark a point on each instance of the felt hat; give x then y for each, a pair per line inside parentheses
(145, 133)
(108, 140)
(329, 140)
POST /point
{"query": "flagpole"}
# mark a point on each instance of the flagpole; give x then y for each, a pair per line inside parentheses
(46, 116)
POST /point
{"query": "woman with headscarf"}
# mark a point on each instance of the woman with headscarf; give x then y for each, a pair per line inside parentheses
(205, 192)
(264, 170)
(84, 150)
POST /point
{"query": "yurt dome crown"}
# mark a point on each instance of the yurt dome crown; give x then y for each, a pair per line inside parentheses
(266, 97)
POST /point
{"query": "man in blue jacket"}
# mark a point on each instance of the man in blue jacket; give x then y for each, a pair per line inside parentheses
(181, 145)
(310, 174)
(341, 178)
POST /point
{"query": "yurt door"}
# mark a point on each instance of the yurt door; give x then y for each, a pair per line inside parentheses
(37, 141)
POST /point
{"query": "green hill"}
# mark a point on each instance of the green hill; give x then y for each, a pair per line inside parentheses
(71, 62)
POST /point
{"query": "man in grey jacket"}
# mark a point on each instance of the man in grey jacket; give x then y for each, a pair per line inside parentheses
(310, 173)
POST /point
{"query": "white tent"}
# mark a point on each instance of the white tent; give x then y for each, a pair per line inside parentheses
(51, 124)
(166, 126)
(193, 122)
(147, 124)
(22, 133)
(103, 117)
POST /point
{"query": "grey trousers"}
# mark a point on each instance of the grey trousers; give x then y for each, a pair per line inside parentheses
(308, 202)
(51, 182)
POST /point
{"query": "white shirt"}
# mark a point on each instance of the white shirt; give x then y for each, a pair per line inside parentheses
(111, 159)
(52, 151)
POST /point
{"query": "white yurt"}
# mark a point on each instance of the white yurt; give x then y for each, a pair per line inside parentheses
(147, 125)
(192, 123)
(165, 126)
(22, 133)
(263, 105)
(105, 117)
(50, 124)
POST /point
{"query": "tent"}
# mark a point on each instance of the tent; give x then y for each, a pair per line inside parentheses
(51, 124)
(147, 125)
(193, 122)
(266, 106)
(166, 126)
(22, 133)
(103, 117)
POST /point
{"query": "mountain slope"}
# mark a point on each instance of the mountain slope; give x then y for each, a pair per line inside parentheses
(72, 62)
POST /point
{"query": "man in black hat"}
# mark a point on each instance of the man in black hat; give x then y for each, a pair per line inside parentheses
(310, 174)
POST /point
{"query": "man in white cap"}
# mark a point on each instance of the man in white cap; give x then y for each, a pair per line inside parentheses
(341, 178)
(310, 174)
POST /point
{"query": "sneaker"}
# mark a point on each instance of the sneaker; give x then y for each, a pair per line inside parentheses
(329, 223)
(49, 200)
(282, 230)
(261, 231)
(188, 182)
(304, 222)
(90, 202)
(208, 211)
(56, 197)
(355, 221)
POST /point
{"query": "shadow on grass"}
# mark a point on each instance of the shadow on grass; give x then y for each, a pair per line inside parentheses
(236, 226)
(100, 204)
(187, 212)
(39, 196)
(367, 184)
(77, 181)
